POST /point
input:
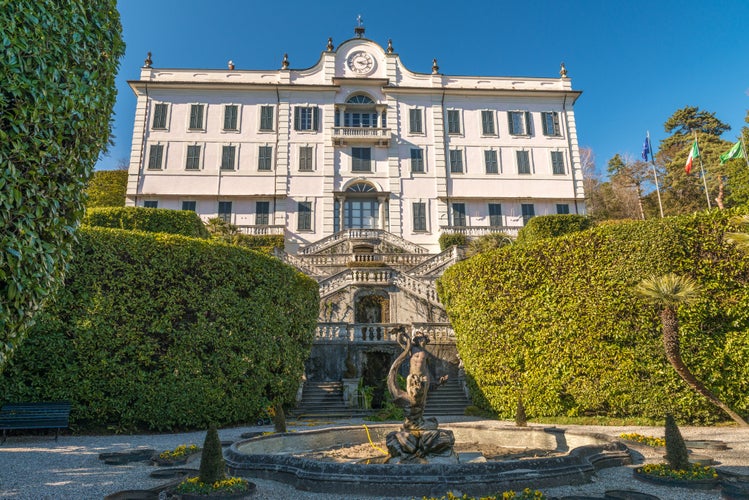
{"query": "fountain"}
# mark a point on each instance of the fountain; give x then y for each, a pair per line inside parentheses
(421, 458)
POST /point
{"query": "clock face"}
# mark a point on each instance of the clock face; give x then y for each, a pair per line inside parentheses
(360, 62)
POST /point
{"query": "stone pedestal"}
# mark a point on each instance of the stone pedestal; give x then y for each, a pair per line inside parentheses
(421, 446)
(350, 389)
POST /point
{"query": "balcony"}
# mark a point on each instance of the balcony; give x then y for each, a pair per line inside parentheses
(262, 230)
(343, 136)
(438, 333)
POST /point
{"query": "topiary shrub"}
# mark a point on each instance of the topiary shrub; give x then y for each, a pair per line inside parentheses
(107, 188)
(488, 242)
(151, 220)
(677, 455)
(59, 62)
(159, 332)
(557, 320)
(265, 243)
(212, 463)
(551, 226)
(449, 239)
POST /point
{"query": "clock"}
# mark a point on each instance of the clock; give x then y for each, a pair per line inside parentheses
(360, 62)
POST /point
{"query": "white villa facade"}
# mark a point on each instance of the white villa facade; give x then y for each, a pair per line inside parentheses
(358, 159)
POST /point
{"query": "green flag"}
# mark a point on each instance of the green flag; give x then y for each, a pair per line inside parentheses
(736, 151)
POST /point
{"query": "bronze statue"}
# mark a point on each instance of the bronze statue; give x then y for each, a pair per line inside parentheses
(419, 437)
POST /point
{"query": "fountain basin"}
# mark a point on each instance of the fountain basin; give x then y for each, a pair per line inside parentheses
(285, 458)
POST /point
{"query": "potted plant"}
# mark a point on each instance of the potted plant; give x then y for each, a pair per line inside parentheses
(212, 482)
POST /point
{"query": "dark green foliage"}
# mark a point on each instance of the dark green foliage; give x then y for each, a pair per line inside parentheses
(490, 241)
(212, 464)
(551, 226)
(557, 321)
(150, 220)
(449, 239)
(677, 455)
(59, 61)
(521, 420)
(106, 188)
(159, 331)
(262, 243)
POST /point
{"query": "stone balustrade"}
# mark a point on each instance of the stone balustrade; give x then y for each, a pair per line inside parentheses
(476, 231)
(262, 230)
(362, 234)
(439, 333)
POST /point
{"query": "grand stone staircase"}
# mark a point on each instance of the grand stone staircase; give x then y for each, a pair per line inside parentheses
(448, 399)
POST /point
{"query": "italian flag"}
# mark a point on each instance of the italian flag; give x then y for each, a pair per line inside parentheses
(694, 152)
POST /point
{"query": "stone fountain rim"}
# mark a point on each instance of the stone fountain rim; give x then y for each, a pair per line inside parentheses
(576, 467)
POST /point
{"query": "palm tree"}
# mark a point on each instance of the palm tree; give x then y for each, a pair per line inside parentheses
(741, 240)
(668, 292)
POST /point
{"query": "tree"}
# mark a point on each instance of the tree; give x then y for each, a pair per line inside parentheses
(107, 189)
(59, 64)
(628, 178)
(738, 173)
(212, 464)
(682, 192)
(677, 454)
(668, 292)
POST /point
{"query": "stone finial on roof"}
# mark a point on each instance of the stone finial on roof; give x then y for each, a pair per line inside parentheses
(148, 62)
(231, 64)
(435, 68)
(562, 71)
(390, 46)
(330, 44)
(285, 62)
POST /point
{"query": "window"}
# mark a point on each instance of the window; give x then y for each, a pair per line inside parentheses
(563, 209)
(189, 206)
(456, 161)
(306, 118)
(459, 214)
(228, 154)
(490, 160)
(224, 211)
(550, 122)
(193, 158)
(265, 158)
(262, 213)
(453, 121)
(150, 204)
(417, 160)
(361, 159)
(415, 121)
(196, 116)
(304, 216)
(487, 123)
(528, 212)
(159, 115)
(420, 216)
(155, 156)
(524, 162)
(305, 159)
(266, 118)
(230, 117)
(495, 215)
(557, 162)
(519, 122)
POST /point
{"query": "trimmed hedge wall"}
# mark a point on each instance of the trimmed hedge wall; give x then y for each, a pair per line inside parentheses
(152, 220)
(447, 240)
(557, 321)
(162, 332)
(551, 226)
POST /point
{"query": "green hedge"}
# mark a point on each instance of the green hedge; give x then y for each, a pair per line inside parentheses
(447, 240)
(59, 62)
(262, 243)
(162, 332)
(557, 321)
(107, 188)
(551, 226)
(152, 220)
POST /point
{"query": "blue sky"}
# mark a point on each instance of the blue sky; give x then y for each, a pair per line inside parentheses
(635, 61)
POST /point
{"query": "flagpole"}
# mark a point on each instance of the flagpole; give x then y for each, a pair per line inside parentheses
(743, 146)
(702, 170)
(655, 174)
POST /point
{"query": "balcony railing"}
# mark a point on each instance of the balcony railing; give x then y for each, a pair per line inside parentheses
(261, 230)
(480, 230)
(347, 135)
(379, 332)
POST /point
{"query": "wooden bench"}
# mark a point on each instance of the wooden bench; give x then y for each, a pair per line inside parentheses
(48, 415)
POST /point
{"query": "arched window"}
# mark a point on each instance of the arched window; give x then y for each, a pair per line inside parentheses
(359, 99)
(361, 187)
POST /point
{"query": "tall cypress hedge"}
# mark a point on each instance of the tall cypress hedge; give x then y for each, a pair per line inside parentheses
(556, 321)
(152, 220)
(162, 332)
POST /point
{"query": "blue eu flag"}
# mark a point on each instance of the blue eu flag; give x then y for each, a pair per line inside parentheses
(646, 149)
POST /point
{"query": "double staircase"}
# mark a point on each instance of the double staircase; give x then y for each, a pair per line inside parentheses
(448, 399)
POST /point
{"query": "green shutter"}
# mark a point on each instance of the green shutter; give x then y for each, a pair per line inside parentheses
(297, 114)
(315, 118)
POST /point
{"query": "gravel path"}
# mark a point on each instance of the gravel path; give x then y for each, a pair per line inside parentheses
(37, 467)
